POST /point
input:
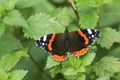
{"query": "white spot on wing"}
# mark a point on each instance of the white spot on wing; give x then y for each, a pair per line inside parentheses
(89, 31)
(92, 36)
(44, 38)
(95, 30)
(42, 43)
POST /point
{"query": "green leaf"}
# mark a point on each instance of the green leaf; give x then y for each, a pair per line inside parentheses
(69, 71)
(3, 75)
(8, 61)
(15, 18)
(51, 63)
(87, 59)
(44, 6)
(89, 20)
(81, 77)
(107, 41)
(9, 4)
(2, 29)
(81, 69)
(103, 78)
(55, 70)
(91, 3)
(110, 15)
(37, 5)
(107, 1)
(107, 66)
(66, 16)
(2, 9)
(41, 24)
(115, 52)
(27, 3)
(8, 44)
(102, 2)
(75, 62)
(17, 74)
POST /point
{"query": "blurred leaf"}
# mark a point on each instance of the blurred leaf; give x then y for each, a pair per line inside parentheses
(108, 37)
(87, 59)
(39, 54)
(51, 63)
(44, 6)
(81, 69)
(8, 61)
(103, 78)
(107, 66)
(17, 74)
(9, 4)
(41, 24)
(107, 1)
(117, 77)
(75, 62)
(110, 15)
(89, 20)
(3, 75)
(63, 15)
(2, 29)
(15, 18)
(101, 3)
(58, 1)
(69, 71)
(81, 77)
(55, 70)
(27, 3)
(115, 52)
(91, 3)
(2, 9)
(8, 44)
(33, 71)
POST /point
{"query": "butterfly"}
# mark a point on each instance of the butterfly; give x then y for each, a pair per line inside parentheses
(75, 42)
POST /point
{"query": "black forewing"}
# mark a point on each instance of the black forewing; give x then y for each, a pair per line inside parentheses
(58, 45)
(43, 43)
(93, 36)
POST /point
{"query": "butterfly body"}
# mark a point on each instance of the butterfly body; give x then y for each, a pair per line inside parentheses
(75, 42)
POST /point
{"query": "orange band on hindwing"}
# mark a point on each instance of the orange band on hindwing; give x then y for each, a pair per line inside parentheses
(81, 52)
(84, 36)
(59, 58)
(50, 42)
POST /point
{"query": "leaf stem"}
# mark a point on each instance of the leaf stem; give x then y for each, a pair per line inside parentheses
(72, 4)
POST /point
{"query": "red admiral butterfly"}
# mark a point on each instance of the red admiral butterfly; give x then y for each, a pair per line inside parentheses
(75, 42)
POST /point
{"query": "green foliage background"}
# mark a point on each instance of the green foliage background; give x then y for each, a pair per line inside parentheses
(23, 21)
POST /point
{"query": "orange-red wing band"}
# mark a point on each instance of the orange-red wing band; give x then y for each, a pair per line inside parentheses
(59, 58)
(50, 42)
(81, 52)
(84, 36)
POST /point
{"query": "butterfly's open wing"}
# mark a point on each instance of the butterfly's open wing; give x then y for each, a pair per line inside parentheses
(54, 44)
(81, 39)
